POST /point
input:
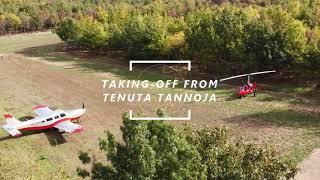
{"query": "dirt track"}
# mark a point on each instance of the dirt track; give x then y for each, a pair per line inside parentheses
(310, 167)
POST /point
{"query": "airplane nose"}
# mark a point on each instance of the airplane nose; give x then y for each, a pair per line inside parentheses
(82, 111)
(75, 114)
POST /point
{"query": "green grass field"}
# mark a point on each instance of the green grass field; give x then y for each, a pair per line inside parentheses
(286, 117)
(12, 43)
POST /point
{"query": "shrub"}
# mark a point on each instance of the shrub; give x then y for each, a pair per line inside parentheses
(237, 160)
(13, 22)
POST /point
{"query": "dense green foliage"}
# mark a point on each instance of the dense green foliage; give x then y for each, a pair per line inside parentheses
(239, 35)
(157, 150)
(87, 32)
(239, 38)
(275, 38)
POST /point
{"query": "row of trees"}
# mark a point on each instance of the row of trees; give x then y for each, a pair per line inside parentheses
(43, 14)
(241, 34)
(158, 150)
(11, 23)
(36, 15)
(219, 36)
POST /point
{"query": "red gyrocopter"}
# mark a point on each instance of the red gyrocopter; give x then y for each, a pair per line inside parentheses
(251, 86)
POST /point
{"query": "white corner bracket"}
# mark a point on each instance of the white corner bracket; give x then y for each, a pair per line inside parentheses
(131, 62)
(188, 118)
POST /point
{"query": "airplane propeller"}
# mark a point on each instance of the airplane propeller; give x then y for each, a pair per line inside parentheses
(82, 105)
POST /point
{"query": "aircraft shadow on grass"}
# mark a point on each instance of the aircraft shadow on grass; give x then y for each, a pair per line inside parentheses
(53, 135)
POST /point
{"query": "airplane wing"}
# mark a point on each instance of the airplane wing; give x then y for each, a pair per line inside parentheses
(69, 127)
(42, 110)
(12, 131)
(10, 127)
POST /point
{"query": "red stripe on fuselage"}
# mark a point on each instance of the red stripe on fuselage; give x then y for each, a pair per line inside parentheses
(47, 126)
(39, 106)
(75, 118)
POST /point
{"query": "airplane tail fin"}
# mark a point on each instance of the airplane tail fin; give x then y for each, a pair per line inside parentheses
(10, 126)
(11, 120)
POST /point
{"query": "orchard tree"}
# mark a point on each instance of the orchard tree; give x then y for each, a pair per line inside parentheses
(85, 32)
(2, 24)
(117, 18)
(135, 35)
(293, 7)
(200, 35)
(25, 22)
(91, 33)
(145, 34)
(174, 45)
(217, 36)
(312, 55)
(276, 39)
(67, 30)
(310, 13)
(13, 22)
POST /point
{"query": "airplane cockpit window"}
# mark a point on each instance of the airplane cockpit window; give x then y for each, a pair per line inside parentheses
(50, 119)
(63, 115)
(56, 117)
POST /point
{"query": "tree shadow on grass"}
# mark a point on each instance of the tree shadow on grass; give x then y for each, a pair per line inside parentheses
(286, 118)
(307, 103)
(295, 94)
(89, 61)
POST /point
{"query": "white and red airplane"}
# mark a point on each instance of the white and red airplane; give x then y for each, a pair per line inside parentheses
(46, 119)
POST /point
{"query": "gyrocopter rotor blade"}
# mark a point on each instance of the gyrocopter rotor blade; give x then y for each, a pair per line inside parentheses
(263, 72)
(242, 75)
